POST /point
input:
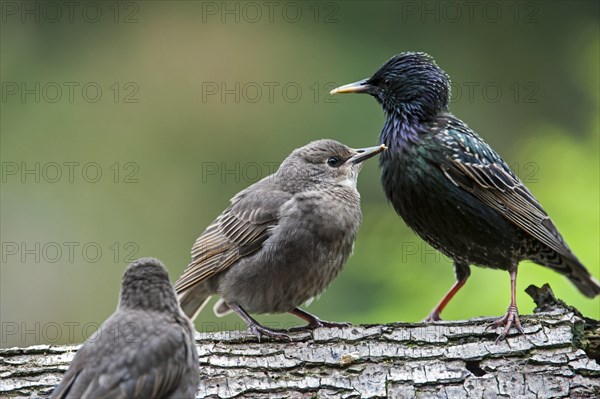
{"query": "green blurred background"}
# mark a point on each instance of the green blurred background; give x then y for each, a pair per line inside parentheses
(174, 139)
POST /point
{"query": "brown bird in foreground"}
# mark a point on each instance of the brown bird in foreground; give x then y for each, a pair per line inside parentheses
(145, 350)
(282, 240)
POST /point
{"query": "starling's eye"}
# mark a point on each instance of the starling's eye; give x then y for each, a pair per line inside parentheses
(334, 162)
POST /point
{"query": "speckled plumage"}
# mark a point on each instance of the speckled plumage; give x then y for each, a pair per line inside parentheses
(452, 188)
(146, 349)
(282, 240)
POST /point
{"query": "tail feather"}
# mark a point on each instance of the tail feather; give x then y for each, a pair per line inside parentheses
(193, 300)
(571, 268)
(587, 284)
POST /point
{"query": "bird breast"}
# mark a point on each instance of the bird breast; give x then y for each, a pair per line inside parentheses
(303, 254)
(444, 215)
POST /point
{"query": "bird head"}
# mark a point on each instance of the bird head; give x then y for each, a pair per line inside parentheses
(409, 84)
(325, 163)
(145, 286)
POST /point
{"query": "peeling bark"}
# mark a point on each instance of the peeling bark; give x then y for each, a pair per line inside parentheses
(451, 359)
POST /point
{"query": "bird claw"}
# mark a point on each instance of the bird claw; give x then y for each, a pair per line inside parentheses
(261, 331)
(510, 319)
(328, 324)
(431, 317)
(318, 324)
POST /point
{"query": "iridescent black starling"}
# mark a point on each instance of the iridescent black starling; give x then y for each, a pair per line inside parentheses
(453, 190)
(144, 350)
(282, 240)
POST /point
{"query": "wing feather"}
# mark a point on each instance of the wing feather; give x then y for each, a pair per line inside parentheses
(239, 231)
(475, 167)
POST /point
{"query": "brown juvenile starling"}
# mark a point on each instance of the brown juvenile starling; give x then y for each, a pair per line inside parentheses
(282, 240)
(144, 350)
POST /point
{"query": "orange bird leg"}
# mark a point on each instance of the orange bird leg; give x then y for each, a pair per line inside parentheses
(462, 272)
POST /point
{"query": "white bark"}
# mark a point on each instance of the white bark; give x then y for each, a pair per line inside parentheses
(443, 360)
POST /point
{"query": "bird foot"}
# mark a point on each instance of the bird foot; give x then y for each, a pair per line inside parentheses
(510, 319)
(317, 323)
(328, 324)
(431, 317)
(261, 331)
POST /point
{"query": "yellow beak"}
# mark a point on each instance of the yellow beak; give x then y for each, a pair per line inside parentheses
(357, 87)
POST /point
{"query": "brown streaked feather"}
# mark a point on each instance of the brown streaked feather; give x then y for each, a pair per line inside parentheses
(239, 231)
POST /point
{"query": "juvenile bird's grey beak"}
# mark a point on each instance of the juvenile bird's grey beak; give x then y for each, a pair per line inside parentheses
(365, 153)
(357, 87)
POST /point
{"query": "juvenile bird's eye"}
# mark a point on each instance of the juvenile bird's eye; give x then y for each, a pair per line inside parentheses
(334, 162)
